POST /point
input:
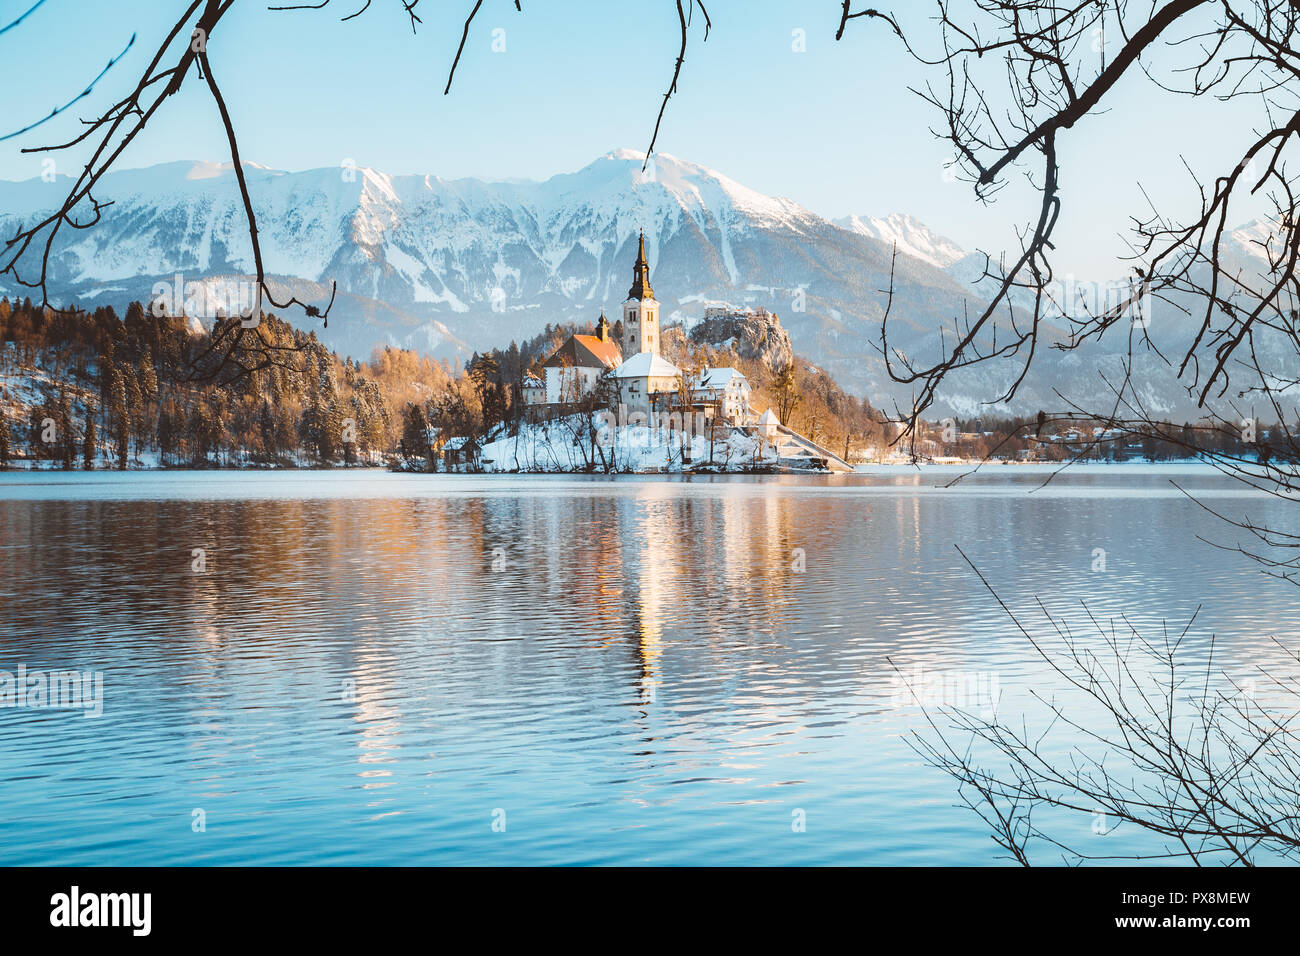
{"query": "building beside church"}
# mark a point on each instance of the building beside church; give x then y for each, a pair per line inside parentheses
(725, 389)
(769, 425)
(648, 383)
(534, 390)
(577, 365)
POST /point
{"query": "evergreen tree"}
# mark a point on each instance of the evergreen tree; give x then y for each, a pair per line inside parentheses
(331, 435)
(267, 431)
(787, 391)
(88, 449)
(415, 431)
(108, 373)
(148, 379)
(67, 441)
(121, 422)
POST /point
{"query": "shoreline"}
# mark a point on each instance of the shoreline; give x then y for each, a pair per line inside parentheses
(867, 469)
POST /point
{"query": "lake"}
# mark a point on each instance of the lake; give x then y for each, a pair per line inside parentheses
(367, 668)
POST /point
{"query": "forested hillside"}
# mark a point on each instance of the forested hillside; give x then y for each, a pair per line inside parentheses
(99, 390)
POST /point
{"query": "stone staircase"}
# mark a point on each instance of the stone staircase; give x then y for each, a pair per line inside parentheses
(796, 451)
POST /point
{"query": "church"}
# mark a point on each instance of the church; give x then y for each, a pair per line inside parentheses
(645, 381)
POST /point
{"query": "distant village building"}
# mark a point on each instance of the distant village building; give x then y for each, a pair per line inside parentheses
(577, 365)
(730, 312)
(460, 453)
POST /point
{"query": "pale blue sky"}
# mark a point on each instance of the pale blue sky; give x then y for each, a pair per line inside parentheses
(833, 128)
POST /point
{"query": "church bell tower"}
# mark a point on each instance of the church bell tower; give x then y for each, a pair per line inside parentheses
(641, 310)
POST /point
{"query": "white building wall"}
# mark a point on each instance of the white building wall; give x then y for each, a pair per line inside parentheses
(570, 383)
(733, 401)
(737, 403)
(634, 393)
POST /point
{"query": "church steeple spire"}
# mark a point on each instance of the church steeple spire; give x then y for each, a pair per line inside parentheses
(641, 275)
(640, 311)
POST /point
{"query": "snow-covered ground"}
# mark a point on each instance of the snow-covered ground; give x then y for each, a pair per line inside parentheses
(566, 445)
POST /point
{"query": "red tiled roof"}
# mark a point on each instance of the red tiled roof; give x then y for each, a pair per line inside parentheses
(586, 351)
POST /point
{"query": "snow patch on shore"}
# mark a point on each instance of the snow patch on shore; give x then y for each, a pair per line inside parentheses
(568, 444)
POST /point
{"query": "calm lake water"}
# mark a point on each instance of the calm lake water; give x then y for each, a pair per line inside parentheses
(398, 669)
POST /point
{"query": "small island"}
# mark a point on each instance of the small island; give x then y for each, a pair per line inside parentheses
(611, 402)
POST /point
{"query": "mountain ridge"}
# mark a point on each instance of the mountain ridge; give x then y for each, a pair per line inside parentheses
(450, 266)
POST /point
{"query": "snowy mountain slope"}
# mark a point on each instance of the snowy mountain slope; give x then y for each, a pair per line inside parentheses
(912, 237)
(450, 266)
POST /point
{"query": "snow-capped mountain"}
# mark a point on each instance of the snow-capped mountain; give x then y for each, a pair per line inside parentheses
(448, 266)
(911, 237)
(451, 266)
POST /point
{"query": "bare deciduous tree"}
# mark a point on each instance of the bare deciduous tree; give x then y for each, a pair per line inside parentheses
(1204, 763)
(183, 53)
(1015, 80)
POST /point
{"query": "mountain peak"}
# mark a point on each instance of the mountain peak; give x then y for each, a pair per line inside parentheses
(626, 154)
(909, 234)
(207, 169)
